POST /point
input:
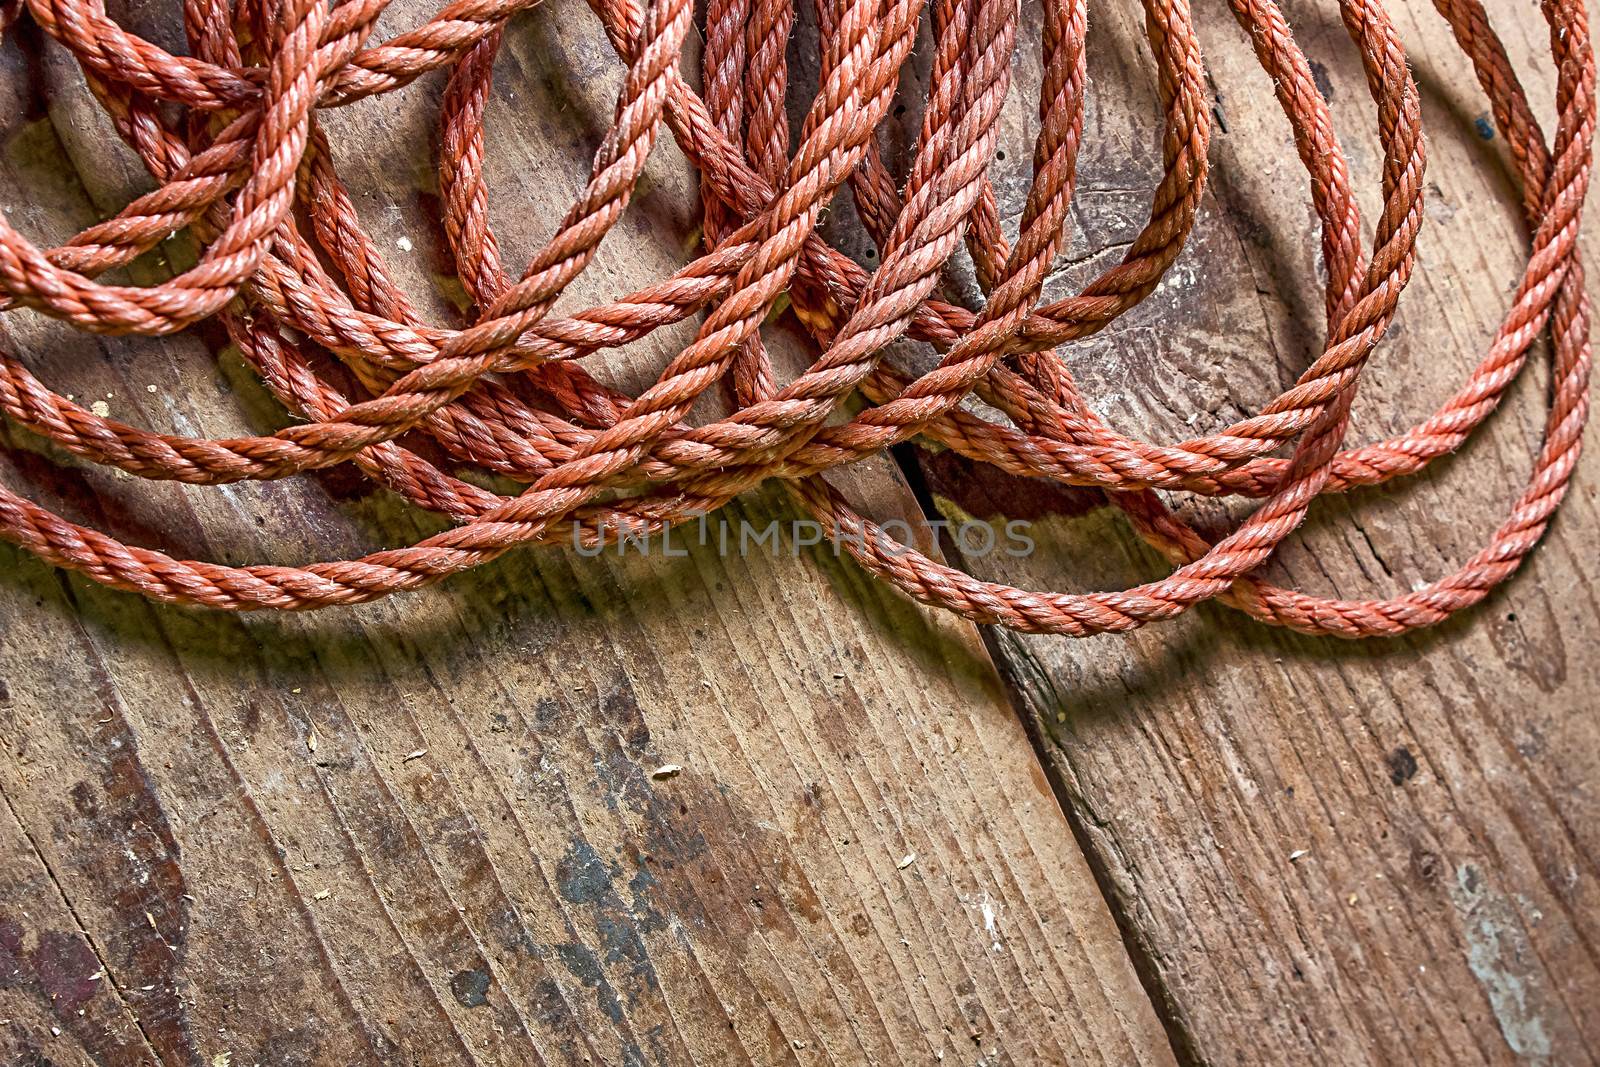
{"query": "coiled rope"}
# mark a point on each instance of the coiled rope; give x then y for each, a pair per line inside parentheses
(231, 134)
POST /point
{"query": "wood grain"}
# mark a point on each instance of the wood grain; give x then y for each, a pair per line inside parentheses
(1325, 852)
(437, 830)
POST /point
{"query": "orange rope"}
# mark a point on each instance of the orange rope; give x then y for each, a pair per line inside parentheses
(231, 133)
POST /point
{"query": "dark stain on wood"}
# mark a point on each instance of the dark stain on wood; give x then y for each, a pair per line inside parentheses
(136, 864)
(1402, 765)
(66, 978)
(470, 987)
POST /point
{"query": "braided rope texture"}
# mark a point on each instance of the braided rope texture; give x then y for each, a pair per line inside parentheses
(230, 133)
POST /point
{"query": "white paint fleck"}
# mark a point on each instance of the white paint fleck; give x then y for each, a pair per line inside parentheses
(1504, 962)
(404, 243)
(100, 408)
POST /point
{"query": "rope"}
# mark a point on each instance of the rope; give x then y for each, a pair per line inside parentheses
(231, 133)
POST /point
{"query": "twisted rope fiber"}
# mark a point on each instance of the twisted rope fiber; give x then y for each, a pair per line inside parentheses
(231, 134)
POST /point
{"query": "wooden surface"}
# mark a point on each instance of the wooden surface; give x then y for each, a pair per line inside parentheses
(433, 831)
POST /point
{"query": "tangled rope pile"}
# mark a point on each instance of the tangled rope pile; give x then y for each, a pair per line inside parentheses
(230, 133)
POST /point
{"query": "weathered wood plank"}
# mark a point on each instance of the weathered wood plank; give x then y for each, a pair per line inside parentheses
(1326, 852)
(430, 830)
